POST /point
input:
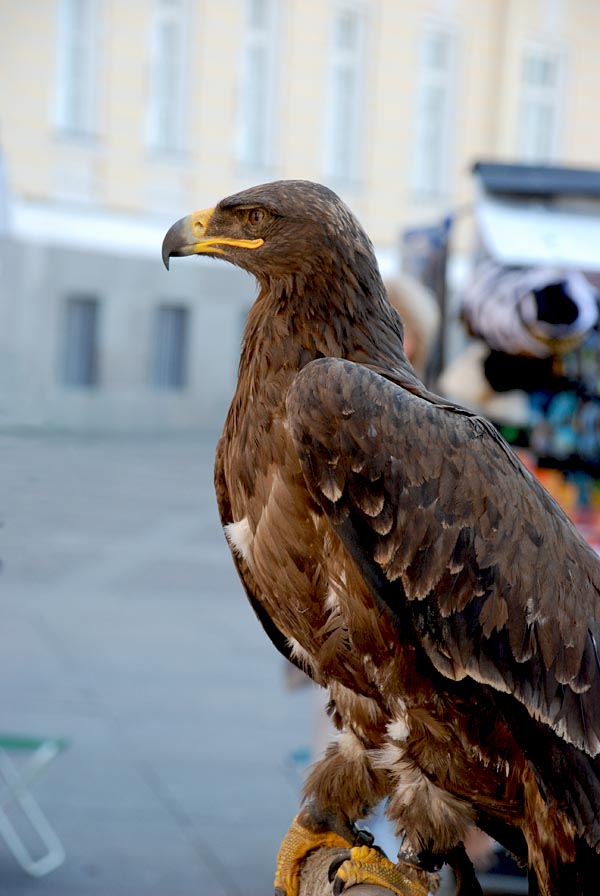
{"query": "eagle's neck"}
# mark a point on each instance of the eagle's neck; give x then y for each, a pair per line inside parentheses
(295, 322)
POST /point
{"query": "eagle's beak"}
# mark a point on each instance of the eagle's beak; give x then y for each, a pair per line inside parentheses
(188, 236)
(185, 237)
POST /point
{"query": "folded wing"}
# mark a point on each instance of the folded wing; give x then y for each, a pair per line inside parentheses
(456, 539)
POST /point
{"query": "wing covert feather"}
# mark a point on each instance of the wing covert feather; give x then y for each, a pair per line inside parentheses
(430, 501)
(248, 581)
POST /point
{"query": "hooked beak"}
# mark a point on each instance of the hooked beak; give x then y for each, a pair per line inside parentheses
(188, 236)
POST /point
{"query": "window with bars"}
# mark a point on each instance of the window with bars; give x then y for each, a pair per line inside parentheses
(80, 342)
(77, 70)
(258, 84)
(166, 108)
(538, 137)
(345, 92)
(169, 358)
(436, 90)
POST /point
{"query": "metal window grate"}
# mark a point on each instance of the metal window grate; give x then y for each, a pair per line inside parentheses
(80, 355)
(170, 347)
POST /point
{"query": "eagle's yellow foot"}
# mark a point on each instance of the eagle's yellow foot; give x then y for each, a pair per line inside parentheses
(295, 846)
(369, 866)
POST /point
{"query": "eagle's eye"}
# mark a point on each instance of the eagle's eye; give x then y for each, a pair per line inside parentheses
(256, 216)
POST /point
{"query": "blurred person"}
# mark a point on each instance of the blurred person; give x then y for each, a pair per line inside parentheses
(420, 313)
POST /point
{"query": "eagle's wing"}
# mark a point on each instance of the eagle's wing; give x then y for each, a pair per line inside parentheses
(248, 581)
(457, 540)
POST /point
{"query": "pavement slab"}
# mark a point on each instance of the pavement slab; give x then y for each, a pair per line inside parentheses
(126, 630)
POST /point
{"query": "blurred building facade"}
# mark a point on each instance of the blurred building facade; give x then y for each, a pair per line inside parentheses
(116, 118)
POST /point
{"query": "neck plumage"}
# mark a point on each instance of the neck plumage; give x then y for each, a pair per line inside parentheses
(329, 314)
(293, 323)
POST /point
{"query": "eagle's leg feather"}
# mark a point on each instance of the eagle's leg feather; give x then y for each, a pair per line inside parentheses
(370, 866)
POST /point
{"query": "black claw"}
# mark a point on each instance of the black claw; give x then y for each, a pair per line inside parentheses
(424, 860)
(365, 837)
(339, 860)
(411, 858)
(338, 886)
(278, 892)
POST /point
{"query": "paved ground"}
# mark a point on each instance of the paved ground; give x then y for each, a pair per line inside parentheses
(124, 627)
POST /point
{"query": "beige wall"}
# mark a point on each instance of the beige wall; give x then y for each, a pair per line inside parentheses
(122, 176)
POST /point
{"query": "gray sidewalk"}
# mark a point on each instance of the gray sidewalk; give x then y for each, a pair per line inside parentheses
(124, 628)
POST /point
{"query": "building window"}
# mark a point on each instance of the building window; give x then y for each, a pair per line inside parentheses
(80, 350)
(166, 113)
(77, 75)
(540, 107)
(257, 94)
(436, 89)
(170, 347)
(344, 118)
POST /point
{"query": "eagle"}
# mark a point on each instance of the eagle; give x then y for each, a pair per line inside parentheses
(394, 547)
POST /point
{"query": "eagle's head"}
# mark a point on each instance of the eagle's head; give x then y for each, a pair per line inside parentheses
(274, 229)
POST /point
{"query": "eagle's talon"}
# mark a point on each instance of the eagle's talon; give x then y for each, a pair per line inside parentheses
(426, 860)
(364, 837)
(339, 885)
(368, 865)
(295, 846)
(336, 864)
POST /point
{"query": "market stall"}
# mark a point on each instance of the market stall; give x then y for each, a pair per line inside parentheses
(530, 308)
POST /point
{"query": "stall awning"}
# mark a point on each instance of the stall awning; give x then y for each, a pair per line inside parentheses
(530, 215)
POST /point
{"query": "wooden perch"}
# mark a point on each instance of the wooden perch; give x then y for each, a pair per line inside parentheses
(314, 880)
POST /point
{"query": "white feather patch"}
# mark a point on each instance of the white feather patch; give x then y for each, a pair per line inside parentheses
(399, 729)
(350, 746)
(332, 603)
(388, 756)
(300, 654)
(240, 538)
